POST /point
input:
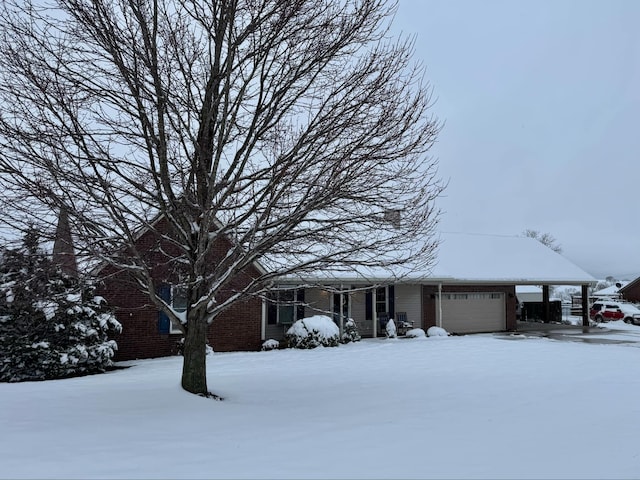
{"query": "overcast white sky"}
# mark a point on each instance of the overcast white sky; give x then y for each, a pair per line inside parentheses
(541, 105)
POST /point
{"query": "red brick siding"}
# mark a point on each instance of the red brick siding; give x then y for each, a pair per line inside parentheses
(631, 292)
(238, 328)
(140, 337)
(430, 294)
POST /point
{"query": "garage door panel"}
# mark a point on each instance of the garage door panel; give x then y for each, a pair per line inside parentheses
(473, 312)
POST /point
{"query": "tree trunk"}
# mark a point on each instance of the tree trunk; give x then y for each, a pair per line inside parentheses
(194, 368)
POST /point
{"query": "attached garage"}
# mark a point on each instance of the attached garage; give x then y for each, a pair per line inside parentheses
(471, 288)
(471, 312)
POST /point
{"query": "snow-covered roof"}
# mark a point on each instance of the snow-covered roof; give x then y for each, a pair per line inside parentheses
(528, 289)
(479, 258)
(503, 258)
(611, 290)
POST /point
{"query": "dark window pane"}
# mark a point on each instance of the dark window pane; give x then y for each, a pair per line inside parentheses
(179, 300)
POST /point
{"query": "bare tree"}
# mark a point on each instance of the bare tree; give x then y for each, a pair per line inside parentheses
(295, 128)
(546, 239)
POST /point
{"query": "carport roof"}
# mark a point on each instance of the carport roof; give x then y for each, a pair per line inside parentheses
(516, 260)
(465, 258)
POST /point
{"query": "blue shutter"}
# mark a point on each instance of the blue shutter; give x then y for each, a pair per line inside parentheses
(368, 305)
(164, 324)
(272, 312)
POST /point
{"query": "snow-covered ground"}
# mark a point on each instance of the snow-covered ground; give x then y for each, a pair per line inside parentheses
(478, 406)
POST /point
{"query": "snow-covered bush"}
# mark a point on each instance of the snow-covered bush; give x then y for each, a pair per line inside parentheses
(51, 325)
(437, 332)
(312, 332)
(390, 329)
(351, 333)
(271, 344)
(416, 333)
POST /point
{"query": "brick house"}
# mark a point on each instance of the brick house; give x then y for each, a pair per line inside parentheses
(631, 291)
(148, 333)
(472, 288)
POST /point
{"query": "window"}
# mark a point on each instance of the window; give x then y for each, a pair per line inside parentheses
(455, 296)
(471, 296)
(176, 296)
(179, 302)
(380, 300)
(285, 307)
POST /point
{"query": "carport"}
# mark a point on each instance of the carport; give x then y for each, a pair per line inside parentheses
(473, 284)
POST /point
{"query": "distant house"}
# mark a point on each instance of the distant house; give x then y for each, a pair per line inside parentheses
(529, 293)
(613, 291)
(631, 291)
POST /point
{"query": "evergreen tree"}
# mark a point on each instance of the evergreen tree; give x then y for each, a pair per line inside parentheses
(351, 333)
(51, 324)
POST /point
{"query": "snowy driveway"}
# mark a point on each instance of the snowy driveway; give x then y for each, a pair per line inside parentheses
(616, 332)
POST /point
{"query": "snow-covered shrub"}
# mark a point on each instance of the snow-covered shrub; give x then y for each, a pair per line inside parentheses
(390, 329)
(415, 333)
(271, 344)
(52, 325)
(312, 332)
(351, 333)
(437, 332)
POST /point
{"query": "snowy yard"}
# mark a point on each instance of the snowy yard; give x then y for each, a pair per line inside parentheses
(478, 406)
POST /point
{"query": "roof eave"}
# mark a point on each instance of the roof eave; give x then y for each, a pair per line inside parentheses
(434, 281)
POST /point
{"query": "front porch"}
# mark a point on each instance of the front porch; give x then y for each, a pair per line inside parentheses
(370, 307)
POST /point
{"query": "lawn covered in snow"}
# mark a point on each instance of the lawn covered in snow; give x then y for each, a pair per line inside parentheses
(477, 406)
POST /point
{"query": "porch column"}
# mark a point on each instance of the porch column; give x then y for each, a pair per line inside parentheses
(546, 314)
(585, 305)
(263, 321)
(341, 299)
(374, 314)
(439, 322)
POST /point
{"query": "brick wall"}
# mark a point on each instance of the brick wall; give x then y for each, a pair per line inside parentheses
(631, 292)
(236, 329)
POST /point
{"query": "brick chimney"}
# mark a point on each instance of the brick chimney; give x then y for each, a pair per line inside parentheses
(63, 253)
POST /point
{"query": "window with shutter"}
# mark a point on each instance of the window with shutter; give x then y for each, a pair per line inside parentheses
(164, 324)
(176, 296)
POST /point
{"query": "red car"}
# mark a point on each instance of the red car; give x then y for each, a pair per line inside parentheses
(606, 311)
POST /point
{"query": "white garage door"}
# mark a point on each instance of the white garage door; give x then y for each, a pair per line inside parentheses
(473, 312)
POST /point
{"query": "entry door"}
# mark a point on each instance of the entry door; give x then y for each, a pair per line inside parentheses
(341, 308)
